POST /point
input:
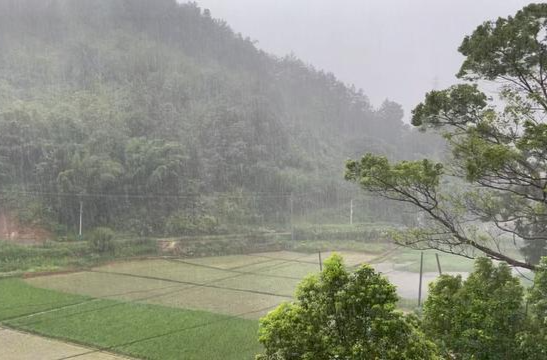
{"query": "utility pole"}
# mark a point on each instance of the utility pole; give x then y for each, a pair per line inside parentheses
(421, 274)
(438, 264)
(351, 212)
(81, 213)
(4, 226)
(320, 262)
(291, 212)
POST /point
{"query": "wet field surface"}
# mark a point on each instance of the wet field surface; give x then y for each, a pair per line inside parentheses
(17, 345)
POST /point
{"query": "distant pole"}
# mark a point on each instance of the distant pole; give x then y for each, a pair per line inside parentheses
(438, 264)
(81, 213)
(351, 212)
(421, 274)
(320, 262)
(291, 212)
(5, 225)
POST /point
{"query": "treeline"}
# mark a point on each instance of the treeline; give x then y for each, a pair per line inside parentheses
(153, 113)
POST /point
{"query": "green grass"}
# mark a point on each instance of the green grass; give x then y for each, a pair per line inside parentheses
(62, 255)
(39, 258)
(327, 245)
(140, 330)
(146, 312)
(20, 299)
(228, 285)
(365, 232)
(175, 283)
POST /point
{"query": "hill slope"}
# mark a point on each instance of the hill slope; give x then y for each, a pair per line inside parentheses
(154, 110)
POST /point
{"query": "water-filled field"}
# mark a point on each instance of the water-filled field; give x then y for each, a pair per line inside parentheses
(243, 285)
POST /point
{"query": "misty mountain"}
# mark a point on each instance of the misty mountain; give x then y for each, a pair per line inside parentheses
(138, 106)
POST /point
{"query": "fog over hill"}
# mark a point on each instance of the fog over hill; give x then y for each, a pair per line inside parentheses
(394, 49)
(155, 107)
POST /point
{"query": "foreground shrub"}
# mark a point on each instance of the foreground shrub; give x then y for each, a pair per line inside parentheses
(482, 317)
(342, 315)
(101, 240)
(533, 341)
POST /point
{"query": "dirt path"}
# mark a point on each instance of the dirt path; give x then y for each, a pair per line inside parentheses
(17, 345)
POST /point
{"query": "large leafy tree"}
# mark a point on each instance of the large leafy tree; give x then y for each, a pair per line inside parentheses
(493, 189)
(479, 318)
(343, 315)
(533, 341)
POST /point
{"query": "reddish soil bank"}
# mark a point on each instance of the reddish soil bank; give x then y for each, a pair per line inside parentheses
(12, 230)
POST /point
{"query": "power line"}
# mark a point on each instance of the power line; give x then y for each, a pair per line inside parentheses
(522, 275)
(235, 271)
(148, 196)
(289, 260)
(251, 264)
(206, 285)
(308, 195)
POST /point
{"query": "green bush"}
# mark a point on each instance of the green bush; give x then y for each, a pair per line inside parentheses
(140, 226)
(235, 209)
(477, 318)
(141, 246)
(101, 240)
(361, 232)
(48, 256)
(183, 224)
(340, 314)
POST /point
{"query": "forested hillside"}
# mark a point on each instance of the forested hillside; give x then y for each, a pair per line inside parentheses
(160, 119)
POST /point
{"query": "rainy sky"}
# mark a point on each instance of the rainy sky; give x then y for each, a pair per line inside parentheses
(396, 49)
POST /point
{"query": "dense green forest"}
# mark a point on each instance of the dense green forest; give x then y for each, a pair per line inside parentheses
(160, 119)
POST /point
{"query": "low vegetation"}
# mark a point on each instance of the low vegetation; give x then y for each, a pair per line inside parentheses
(140, 330)
(364, 232)
(55, 255)
(351, 315)
(103, 244)
(141, 308)
(19, 299)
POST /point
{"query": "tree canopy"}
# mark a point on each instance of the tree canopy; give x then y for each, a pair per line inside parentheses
(343, 315)
(478, 318)
(490, 194)
(339, 314)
